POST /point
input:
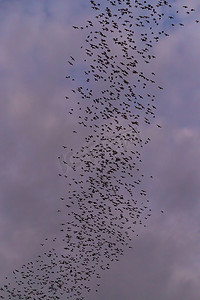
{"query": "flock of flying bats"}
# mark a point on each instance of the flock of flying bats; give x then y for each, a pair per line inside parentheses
(105, 197)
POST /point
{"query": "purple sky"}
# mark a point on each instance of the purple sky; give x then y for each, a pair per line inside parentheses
(36, 41)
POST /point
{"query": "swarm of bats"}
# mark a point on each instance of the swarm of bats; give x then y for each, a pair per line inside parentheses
(105, 198)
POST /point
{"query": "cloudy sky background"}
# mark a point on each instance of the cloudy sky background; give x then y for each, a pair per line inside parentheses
(36, 41)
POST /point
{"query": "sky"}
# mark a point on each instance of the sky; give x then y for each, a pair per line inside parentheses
(36, 41)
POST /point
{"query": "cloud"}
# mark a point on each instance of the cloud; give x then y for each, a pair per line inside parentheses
(33, 52)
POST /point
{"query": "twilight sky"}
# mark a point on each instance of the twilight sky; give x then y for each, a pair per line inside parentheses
(36, 41)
